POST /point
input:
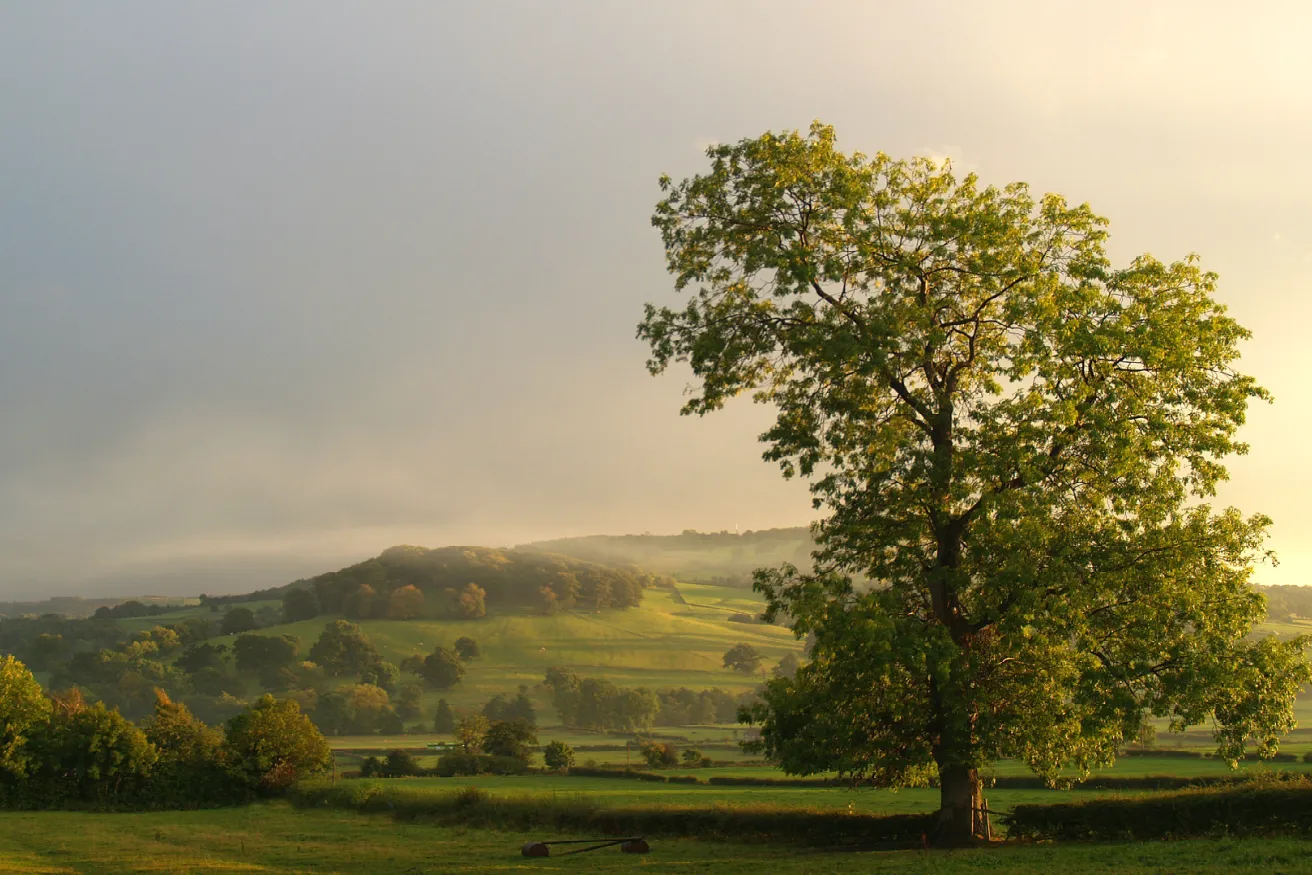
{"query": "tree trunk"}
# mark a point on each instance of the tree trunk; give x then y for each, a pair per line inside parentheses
(962, 816)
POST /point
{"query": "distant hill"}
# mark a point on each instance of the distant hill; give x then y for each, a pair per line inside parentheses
(76, 607)
(507, 578)
(723, 557)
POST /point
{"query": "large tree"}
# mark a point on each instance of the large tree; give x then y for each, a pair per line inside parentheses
(1013, 443)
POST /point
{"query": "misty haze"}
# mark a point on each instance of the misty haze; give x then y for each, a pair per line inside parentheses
(861, 426)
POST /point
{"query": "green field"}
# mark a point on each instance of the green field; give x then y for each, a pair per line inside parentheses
(661, 643)
(277, 840)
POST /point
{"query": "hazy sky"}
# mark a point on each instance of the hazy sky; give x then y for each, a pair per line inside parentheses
(284, 284)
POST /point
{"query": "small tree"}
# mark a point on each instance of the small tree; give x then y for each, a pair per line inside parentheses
(408, 700)
(444, 719)
(272, 744)
(405, 603)
(472, 602)
(401, 764)
(442, 669)
(361, 603)
(470, 732)
(743, 658)
(558, 756)
(237, 621)
(466, 647)
(548, 602)
(510, 738)
(343, 649)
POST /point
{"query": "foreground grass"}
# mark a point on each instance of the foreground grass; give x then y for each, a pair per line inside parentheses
(276, 839)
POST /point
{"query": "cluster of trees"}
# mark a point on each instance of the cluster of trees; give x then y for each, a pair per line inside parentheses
(454, 583)
(663, 755)
(500, 747)
(59, 751)
(598, 704)
(685, 707)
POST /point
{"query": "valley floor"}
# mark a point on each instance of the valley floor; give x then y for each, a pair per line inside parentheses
(276, 839)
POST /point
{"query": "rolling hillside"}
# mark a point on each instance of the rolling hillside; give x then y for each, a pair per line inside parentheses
(697, 556)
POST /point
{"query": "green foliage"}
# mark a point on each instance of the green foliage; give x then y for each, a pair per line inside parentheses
(463, 582)
(90, 755)
(265, 655)
(356, 709)
(272, 744)
(238, 620)
(405, 603)
(400, 764)
(299, 604)
(466, 647)
(471, 603)
(441, 669)
(1014, 438)
(381, 674)
(743, 658)
(343, 649)
(24, 710)
(558, 756)
(444, 719)
(201, 656)
(470, 732)
(660, 755)
(510, 738)
(519, 708)
(592, 703)
(408, 701)
(190, 770)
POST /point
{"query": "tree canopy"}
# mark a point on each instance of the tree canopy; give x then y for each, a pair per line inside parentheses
(1013, 444)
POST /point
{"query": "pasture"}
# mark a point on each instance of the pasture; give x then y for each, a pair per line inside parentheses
(274, 839)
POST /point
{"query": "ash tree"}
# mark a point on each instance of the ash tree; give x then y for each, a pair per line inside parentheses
(1012, 443)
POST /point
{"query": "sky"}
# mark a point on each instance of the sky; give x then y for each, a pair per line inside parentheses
(282, 285)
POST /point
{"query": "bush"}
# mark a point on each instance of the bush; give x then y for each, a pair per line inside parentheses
(659, 755)
(459, 763)
(401, 764)
(558, 756)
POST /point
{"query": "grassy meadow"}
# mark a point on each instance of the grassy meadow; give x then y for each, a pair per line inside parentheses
(277, 840)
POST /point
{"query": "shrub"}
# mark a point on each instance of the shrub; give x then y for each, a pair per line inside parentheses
(659, 755)
(401, 764)
(558, 756)
(460, 763)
